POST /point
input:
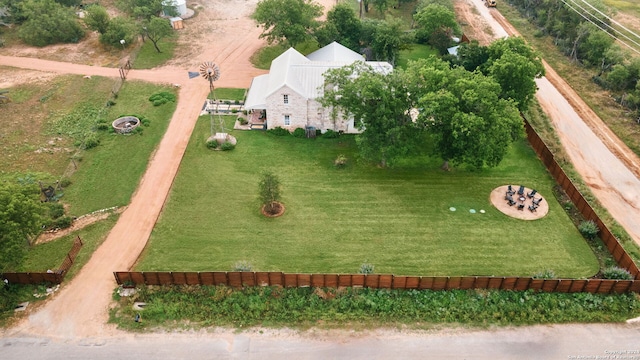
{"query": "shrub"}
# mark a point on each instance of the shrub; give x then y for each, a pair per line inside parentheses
(56, 210)
(546, 274)
(212, 144)
(279, 131)
(61, 222)
(588, 229)
(90, 141)
(226, 146)
(330, 134)
(616, 273)
(234, 111)
(366, 268)
(340, 161)
(102, 126)
(162, 97)
(242, 265)
(299, 133)
(144, 121)
(65, 181)
(243, 121)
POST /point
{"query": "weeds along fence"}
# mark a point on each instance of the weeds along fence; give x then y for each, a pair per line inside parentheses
(247, 278)
(54, 277)
(595, 286)
(611, 242)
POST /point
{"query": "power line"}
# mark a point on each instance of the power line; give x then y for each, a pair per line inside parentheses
(600, 27)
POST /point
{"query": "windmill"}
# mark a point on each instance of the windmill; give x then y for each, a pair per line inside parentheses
(211, 72)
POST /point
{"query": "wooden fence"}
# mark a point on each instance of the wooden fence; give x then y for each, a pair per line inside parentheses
(611, 242)
(239, 279)
(54, 277)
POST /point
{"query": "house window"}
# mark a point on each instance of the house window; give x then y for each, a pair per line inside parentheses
(287, 120)
(285, 97)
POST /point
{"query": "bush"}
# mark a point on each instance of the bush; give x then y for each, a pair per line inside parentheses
(64, 182)
(162, 97)
(330, 134)
(616, 273)
(90, 141)
(212, 144)
(61, 222)
(242, 265)
(547, 274)
(102, 126)
(226, 146)
(234, 111)
(279, 131)
(340, 161)
(588, 229)
(366, 268)
(299, 133)
(243, 121)
(56, 210)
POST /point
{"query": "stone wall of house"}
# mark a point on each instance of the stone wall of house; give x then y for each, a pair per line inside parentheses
(277, 109)
(303, 113)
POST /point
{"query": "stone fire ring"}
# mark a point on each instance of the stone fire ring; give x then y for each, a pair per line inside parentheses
(125, 124)
(498, 200)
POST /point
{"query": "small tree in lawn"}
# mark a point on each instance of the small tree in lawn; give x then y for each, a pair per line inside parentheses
(269, 188)
(157, 29)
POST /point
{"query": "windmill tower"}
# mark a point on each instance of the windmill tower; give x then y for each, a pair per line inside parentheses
(211, 72)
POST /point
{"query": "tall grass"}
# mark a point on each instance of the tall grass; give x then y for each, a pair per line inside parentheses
(395, 219)
(365, 308)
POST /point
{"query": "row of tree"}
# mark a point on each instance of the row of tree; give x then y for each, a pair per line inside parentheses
(293, 22)
(45, 22)
(587, 44)
(435, 107)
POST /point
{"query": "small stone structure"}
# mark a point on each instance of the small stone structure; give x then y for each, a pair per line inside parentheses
(125, 124)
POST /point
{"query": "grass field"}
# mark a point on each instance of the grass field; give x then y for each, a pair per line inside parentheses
(109, 174)
(148, 57)
(336, 219)
(50, 255)
(417, 51)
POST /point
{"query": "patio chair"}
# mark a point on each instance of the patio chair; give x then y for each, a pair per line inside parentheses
(508, 197)
(520, 206)
(510, 190)
(532, 193)
(511, 202)
(533, 208)
(521, 190)
(537, 202)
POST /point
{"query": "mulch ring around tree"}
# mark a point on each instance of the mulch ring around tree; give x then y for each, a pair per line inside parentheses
(277, 211)
(498, 200)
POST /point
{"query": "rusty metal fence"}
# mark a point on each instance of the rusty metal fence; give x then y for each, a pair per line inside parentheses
(54, 277)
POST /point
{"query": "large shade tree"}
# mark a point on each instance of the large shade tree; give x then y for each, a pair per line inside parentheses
(464, 114)
(515, 66)
(47, 22)
(287, 21)
(380, 107)
(342, 25)
(20, 218)
(157, 29)
(456, 113)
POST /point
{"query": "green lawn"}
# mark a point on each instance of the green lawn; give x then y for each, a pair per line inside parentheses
(230, 93)
(396, 219)
(417, 51)
(148, 57)
(109, 173)
(50, 255)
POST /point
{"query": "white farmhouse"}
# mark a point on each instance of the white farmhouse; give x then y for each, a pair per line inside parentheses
(286, 96)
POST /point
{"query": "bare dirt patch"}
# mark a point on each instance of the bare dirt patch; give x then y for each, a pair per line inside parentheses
(79, 223)
(498, 200)
(472, 22)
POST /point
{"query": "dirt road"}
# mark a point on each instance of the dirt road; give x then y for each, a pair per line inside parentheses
(607, 165)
